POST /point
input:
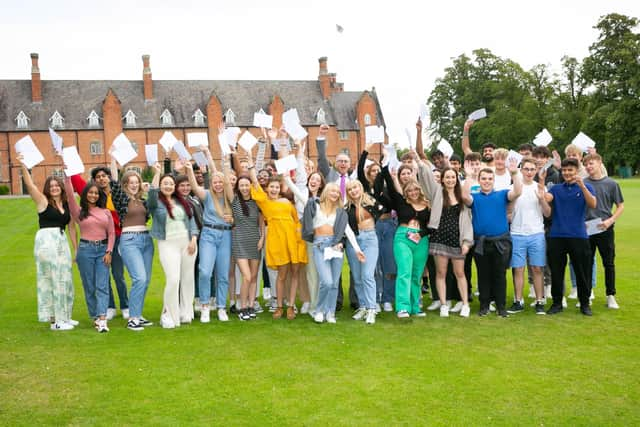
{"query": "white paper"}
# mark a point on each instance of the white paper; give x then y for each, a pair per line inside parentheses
(201, 159)
(593, 226)
(330, 253)
(224, 145)
(583, 142)
(354, 174)
(151, 152)
(392, 155)
(123, 152)
(543, 139)
(290, 117)
(445, 147)
(514, 155)
(196, 139)
(167, 141)
(31, 156)
(286, 164)
(247, 141)
(296, 131)
(72, 161)
(410, 139)
(230, 137)
(56, 140)
(262, 120)
(478, 114)
(374, 134)
(424, 113)
(181, 151)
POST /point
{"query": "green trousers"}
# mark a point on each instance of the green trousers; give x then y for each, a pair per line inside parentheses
(410, 258)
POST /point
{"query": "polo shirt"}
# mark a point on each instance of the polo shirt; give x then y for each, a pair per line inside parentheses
(569, 210)
(490, 213)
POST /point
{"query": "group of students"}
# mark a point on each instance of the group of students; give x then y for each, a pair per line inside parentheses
(427, 218)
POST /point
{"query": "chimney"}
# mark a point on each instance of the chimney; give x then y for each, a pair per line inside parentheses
(146, 78)
(324, 78)
(36, 86)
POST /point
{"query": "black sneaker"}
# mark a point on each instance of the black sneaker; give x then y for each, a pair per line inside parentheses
(502, 313)
(586, 311)
(244, 314)
(144, 322)
(516, 307)
(134, 325)
(234, 310)
(483, 311)
(540, 308)
(252, 312)
(555, 309)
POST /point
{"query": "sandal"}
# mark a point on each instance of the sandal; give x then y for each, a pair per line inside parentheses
(277, 314)
(291, 313)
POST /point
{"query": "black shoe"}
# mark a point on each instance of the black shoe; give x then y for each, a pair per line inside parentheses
(540, 308)
(555, 309)
(586, 311)
(425, 289)
(354, 307)
(144, 322)
(233, 309)
(252, 312)
(338, 307)
(516, 307)
(502, 313)
(244, 314)
(134, 325)
(483, 311)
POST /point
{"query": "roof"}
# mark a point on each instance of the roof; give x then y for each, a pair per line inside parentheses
(75, 99)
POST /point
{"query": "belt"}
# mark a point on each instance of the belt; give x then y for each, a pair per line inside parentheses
(135, 232)
(218, 227)
(95, 242)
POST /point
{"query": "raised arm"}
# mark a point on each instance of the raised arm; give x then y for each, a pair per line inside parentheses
(362, 161)
(74, 209)
(297, 192)
(589, 198)
(321, 145)
(419, 146)
(200, 192)
(394, 191)
(39, 199)
(466, 146)
(471, 175)
(515, 192)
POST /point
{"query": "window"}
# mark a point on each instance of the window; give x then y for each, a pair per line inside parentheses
(130, 118)
(95, 147)
(94, 119)
(230, 118)
(344, 135)
(58, 172)
(135, 168)
(344, 151)
(198, 118)
(22, 121)
(57, 121)
(166, 118)
(367, 119)
(321, 117)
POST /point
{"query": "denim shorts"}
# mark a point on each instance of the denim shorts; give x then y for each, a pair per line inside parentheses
(532, 247)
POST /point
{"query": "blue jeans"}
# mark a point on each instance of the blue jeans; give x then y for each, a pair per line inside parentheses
(364, 273)
(328, 275)
(95, 277)
(215, 254)
(386, 231)
(136, 250)
(572, 274)
(117, 271)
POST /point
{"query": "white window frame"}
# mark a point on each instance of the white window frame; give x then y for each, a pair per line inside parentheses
(230, 117)
(166, 118)
(57, 121)
(22, 120)
(94, 119)
(199, 118)
(96, 148)
(321, 117)
(367, 119)
(344, 135)
(130, 119)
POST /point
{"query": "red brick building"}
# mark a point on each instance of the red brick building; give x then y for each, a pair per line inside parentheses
(91, 113)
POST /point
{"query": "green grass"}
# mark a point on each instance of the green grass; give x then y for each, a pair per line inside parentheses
(525, 370)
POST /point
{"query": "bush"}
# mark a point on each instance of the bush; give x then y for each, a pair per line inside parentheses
(4, 190)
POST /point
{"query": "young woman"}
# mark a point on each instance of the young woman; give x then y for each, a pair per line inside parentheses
(363, 211)
(136, 245)
(97, 237)
(285, 250)
(175, 229)
(325, 224)
(51, 250)
(452, 240)
(247, 242)
(215, 238)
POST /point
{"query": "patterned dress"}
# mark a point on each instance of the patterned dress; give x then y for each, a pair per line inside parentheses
(246, 230)
(446, 239)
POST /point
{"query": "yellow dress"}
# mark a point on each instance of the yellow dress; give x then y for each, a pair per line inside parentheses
(284, 244)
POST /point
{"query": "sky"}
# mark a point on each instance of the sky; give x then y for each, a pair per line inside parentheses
(399, 47)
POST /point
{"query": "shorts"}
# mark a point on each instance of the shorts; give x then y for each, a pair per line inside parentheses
(532, 247)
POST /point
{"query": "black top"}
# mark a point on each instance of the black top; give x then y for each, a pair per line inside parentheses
(374, 210)
(379, 190)
(405, 211)
(51, 217)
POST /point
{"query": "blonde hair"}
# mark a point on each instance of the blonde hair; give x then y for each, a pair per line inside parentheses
(412, 183)
(324, 196)
(124, 181)
(501, 153)
(365, 199)
(225, 209)
(573, 149)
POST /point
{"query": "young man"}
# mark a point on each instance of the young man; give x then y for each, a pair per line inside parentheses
(491, 233)
(607, 194)
(568, 235)
(502, 178)
(486, 150)
(525, 150)
(527, 237)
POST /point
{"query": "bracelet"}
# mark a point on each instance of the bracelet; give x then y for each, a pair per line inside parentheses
(514, 173)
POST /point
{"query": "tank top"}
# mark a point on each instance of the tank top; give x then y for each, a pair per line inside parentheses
(321, 219)
(51, 217)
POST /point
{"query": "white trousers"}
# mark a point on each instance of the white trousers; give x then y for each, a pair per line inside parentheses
(178, 268)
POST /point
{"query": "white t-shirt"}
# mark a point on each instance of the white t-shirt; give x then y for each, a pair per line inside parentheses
(502, 182)
(527, 212)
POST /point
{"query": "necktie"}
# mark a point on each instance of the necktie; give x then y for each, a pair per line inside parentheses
(343, 187)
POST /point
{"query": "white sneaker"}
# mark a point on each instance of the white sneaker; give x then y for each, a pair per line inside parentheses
(305, 308)
(111, 313)
(274, 305)
(444, 311)
(331, 318)
(125, 313)
(360, 314)
(204, 315)
(448, 302)
(197, 306)
(578, 303)
(547, 291)
(166, 322)
(222, 315)
(456, 308)
(319, 317)
(434, 305)
(378, 308)
(371, 317)
(387, 307)
(72, 322)
(564, 302)
(612, 303)
(403, 314)
(492, 306)
(257, 307)
(61, 326)
(465, 310)
(573, 294)
(592, 296)
(102, 326)
(266, 294)
(532, 292)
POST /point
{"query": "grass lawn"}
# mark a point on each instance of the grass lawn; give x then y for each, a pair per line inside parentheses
(524, 370)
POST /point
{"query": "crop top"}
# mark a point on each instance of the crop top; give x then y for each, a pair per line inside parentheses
(52, 217)
(321, 219)
(405, 211)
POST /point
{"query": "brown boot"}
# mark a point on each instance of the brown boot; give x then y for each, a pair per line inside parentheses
(291, 313)
(278, 313)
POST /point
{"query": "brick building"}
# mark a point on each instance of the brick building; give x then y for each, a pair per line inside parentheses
(91, 113)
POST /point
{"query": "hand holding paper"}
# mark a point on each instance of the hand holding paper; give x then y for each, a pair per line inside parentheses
(72, 161)
(151, 152)
(445, 147)
(286, 164)
(478, 114)
(122, 150)
(583, 142)
(197, 139)
(262, 120)
(31, 156)
(543, 139)
(56, 140)
(181, 151)
(374, 134)
(167, 141)
(247, 141)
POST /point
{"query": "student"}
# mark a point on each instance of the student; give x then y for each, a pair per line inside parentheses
(568, 235)
(608, 194)
(97, 235)
(501, 176)
(486, 150)
(51, 250)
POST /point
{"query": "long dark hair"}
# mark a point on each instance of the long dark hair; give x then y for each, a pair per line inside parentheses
(84, 203)
(243, 202)
(47, 191)
(322, 183)
(457, 190)
(165, 201)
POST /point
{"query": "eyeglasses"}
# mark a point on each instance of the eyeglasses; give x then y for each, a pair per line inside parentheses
(529, 169)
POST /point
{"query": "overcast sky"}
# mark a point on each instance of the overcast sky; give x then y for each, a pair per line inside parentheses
(398, 47)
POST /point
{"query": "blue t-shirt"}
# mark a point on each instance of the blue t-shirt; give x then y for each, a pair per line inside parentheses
(569, 209)
(210, 215)
(490, 213)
